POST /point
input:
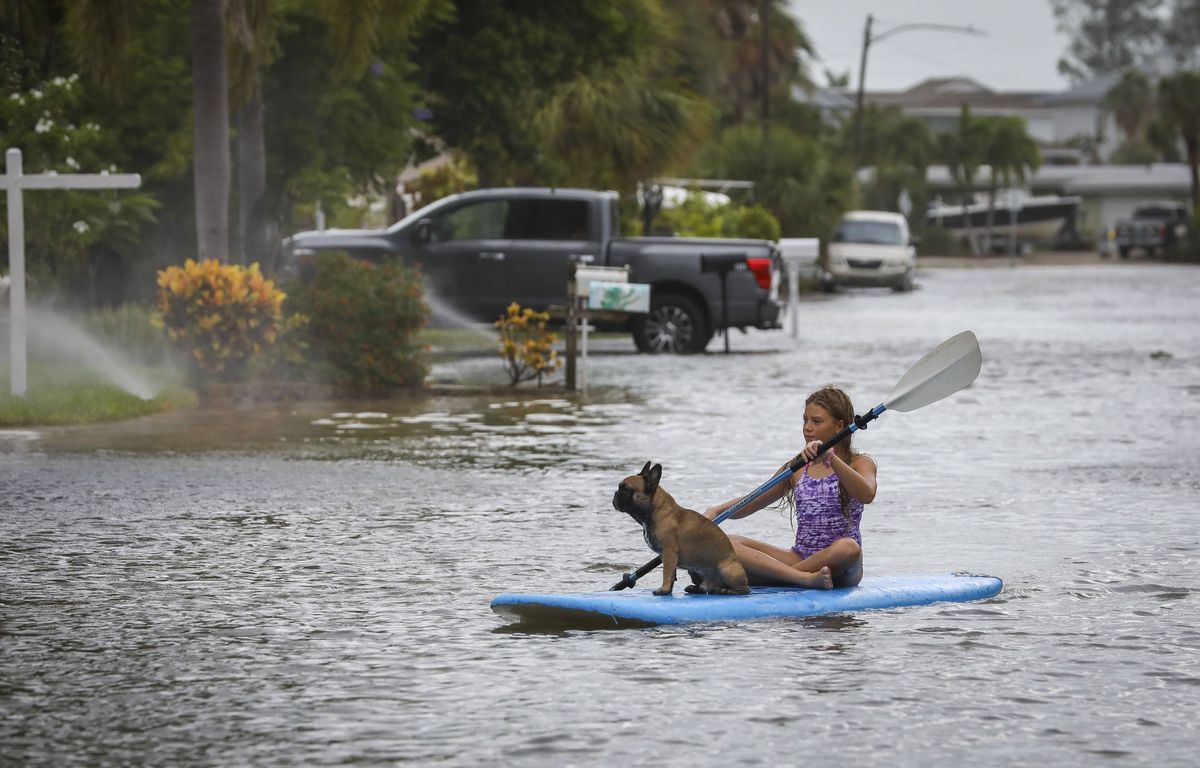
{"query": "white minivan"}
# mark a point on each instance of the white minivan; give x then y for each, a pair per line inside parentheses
(873, 248)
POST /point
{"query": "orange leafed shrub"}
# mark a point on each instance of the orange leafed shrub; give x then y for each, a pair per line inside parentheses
(219, 315)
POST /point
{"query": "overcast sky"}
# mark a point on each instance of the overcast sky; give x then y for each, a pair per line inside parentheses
(1020, 52)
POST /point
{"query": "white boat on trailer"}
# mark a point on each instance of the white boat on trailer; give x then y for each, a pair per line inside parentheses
(1039, 218)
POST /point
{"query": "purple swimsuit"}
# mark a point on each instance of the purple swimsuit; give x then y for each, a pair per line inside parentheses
(819, 520)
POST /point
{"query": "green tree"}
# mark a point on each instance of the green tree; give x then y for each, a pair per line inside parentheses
(327, 138)
(720, 54)
(899, 148)
(252, 26)
(1107, 35)
(496, 64)
(1179, 95)
(358, 36)
(73, 237)
(211, 167)
(1131, 102)
(1182, 32)
(963, 150)
(795, 177)
(1013, 155)
(1133, 106)
(618, 126)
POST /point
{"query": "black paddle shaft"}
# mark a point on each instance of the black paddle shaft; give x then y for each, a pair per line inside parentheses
(628, 580)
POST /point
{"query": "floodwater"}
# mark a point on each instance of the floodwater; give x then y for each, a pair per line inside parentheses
(311, 586)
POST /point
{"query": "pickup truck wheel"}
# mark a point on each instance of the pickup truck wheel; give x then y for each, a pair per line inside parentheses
(674, 324)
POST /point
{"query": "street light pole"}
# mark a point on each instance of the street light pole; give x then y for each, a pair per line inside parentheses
(868, 38)
(858, 101)
(764, 11)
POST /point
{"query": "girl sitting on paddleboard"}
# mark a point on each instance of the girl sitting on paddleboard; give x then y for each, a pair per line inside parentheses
(827, 498)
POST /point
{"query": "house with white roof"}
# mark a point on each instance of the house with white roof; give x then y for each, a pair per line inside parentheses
(1108, 192)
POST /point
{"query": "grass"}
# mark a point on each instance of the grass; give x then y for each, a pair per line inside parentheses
(58, 395)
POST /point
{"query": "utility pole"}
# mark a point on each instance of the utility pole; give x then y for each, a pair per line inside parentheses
(858, 100)
(764, 11)
(868, 38)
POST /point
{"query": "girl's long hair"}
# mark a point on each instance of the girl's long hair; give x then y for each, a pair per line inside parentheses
(839, 406)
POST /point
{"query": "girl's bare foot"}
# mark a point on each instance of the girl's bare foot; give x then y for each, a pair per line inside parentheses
(822, 579)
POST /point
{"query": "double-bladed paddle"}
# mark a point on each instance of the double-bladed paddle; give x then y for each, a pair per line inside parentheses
(950, 367)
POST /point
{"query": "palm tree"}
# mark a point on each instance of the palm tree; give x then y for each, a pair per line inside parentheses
(355, 31)
(1131, 102)
(252, 27)
(1012, 154)
(1179, 95)
(210, 128)
(963, 150)
(103, 36)
(738, 59)
(900, 148)
(617, 126)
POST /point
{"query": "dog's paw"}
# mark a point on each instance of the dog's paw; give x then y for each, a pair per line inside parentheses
(661, 592)
(694, 589)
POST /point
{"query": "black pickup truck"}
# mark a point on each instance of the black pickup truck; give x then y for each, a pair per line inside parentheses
(1153, 228)
(483, 250)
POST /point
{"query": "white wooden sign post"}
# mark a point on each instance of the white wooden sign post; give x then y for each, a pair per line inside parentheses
(14, 182)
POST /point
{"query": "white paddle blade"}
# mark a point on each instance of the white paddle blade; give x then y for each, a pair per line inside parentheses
(945, 370)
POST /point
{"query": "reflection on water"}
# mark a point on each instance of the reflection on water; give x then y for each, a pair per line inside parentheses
(310, 584)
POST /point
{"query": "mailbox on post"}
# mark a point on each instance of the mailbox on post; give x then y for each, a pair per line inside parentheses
(801, 256)
(598, 290)
(722, 264)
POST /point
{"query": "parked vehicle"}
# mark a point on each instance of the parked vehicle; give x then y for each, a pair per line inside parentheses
(483, 250)
(872, 248)
(1153, 228)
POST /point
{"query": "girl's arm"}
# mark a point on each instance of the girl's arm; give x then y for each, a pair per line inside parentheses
(857, 477)
(767, 499)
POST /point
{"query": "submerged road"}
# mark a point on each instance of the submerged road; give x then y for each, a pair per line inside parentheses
(310, 584)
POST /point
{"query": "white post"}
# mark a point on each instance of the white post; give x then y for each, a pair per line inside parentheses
(14, 181)
(16, 272)
(583, 351)
(798, 253)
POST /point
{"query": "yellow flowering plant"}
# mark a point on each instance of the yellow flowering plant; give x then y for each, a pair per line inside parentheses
(526, 346)
(220, 315)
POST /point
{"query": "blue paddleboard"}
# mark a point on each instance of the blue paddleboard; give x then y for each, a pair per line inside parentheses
(640, 607)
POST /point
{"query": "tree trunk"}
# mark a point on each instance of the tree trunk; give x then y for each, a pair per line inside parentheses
(991, 219)
(251, 181)
(210, 118)
(968, 192)
(1193, 157)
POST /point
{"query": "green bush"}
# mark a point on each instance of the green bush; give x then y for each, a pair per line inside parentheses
(756, 222)
(363, 322)
(696, 218)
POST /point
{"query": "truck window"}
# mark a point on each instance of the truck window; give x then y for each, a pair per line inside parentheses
(480, 220)
(547, 219)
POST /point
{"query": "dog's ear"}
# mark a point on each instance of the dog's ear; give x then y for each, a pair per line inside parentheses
(645, 470)
(652, 478)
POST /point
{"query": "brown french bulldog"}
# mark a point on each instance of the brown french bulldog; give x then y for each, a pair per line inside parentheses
(683, 537)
